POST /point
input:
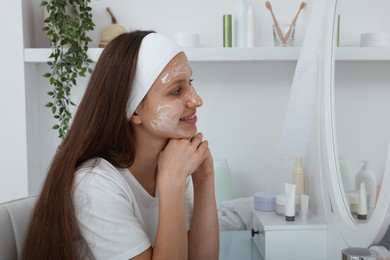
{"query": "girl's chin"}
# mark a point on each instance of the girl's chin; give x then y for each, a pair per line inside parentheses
(186, 134)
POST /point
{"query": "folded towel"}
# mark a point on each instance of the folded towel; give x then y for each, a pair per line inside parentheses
(383, 253)
(235, 214)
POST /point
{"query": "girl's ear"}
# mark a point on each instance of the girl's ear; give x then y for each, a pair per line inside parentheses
(136, 118)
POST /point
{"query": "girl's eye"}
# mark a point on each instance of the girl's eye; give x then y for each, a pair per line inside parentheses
(191, 80)
(177, 91)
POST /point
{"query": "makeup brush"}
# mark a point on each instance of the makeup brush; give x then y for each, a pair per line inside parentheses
(301, 7)
(276, 24)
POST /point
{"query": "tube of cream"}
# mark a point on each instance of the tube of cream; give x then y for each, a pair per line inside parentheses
(289, 210)
(304, 206)
(362, 205)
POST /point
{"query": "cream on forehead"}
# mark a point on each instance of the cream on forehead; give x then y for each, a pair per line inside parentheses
(182, 68)
(155, 52)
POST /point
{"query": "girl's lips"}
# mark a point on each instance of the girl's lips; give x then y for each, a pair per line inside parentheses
(189, 119)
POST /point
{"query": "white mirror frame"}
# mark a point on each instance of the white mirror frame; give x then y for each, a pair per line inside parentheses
(354, 234)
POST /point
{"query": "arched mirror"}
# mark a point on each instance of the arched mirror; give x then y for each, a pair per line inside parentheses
(356, 122)
(362, 109)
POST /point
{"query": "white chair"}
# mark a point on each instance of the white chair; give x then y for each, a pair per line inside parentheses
(14, 218)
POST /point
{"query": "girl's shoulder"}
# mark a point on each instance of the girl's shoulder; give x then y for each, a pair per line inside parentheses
(99, 174)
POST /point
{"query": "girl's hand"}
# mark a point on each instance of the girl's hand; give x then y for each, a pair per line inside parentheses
(206, 168)
(181, 157)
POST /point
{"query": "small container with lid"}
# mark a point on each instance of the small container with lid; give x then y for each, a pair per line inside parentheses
(281, 204)
(353, 198)
(264, 201)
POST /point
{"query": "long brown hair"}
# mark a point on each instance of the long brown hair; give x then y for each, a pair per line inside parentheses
(100, 128)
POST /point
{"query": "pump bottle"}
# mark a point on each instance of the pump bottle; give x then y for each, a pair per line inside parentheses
(298, 177)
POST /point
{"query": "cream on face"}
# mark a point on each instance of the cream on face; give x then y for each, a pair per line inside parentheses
(168, 114)
(165, 118)
(182, 68)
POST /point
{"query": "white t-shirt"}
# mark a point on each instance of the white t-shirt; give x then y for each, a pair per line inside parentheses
(117, 217)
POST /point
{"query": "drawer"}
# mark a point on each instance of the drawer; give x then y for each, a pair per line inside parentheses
(277, 239)
(258, 234)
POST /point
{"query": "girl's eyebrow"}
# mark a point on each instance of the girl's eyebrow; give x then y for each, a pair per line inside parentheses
(175, 83)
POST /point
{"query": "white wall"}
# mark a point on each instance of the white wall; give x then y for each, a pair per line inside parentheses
(244, 102)
(13, 150)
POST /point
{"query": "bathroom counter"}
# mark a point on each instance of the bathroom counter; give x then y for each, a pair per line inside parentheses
(235, 245)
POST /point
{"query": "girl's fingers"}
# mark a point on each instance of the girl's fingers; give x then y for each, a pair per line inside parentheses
(197, 140)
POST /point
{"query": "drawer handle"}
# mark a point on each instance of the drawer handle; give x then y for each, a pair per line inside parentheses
(255, 232)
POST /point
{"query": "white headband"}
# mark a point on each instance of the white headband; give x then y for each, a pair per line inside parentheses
(155, 52)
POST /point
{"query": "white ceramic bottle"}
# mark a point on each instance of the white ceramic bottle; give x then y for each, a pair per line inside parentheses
(298, 177)
(240, 21)
(250, 28)
(367, 176)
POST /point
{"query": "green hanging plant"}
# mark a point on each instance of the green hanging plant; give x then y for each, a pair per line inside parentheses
(66, 25)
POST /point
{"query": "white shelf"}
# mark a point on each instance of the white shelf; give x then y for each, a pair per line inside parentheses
(40, 55)
(243, 54)
(194, 54)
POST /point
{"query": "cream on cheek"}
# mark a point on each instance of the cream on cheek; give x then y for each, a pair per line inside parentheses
(166, 116)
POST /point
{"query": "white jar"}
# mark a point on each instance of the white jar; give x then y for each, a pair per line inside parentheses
(281, 205)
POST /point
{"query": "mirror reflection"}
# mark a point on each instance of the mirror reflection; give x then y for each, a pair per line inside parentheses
(362, 113)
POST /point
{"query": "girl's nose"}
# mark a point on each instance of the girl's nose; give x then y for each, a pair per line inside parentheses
(193, 99)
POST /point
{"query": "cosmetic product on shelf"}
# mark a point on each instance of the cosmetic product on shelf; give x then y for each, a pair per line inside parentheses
(240, 24)
(250, 28)
(227, 30)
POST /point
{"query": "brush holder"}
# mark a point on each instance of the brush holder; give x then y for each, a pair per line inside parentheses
(284, 36)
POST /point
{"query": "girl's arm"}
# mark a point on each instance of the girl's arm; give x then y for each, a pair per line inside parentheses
(177, 161)
(204, 234)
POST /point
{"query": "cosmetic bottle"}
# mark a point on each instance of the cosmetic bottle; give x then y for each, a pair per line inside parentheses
(362, 205)
(227, 30)
(298, 177)
(304, 206)
(240, 20)
(367, 176)
(250, 28)
(289, 212)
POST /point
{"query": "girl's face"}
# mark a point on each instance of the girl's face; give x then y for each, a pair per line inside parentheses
(169, 109)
